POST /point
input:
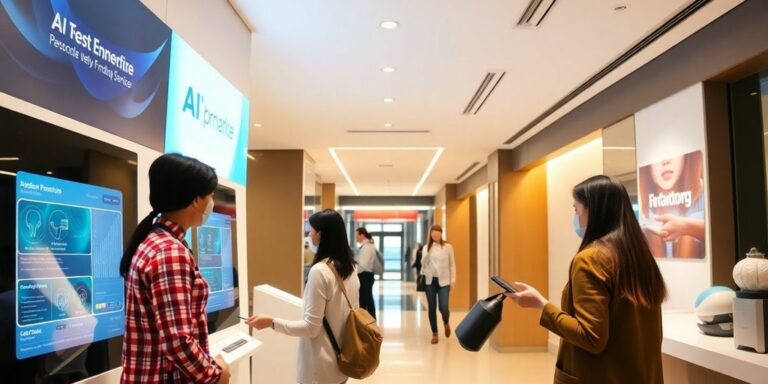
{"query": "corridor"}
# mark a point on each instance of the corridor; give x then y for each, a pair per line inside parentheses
(408, 358)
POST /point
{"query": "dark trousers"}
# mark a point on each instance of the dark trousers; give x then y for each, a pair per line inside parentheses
(366, 292)
(437, 295)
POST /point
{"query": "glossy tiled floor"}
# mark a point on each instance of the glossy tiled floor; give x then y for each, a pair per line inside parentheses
(408, 357)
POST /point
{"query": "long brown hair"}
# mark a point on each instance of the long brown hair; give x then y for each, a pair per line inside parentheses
(435, 228)
(612, 222)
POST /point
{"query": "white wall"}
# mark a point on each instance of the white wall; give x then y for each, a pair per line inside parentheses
(672, 127)
(562, 174)
(215, 31)
(483, 256)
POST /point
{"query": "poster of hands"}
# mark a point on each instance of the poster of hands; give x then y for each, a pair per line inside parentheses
(672, 206)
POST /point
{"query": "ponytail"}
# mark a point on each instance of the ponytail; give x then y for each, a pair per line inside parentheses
(139, 234)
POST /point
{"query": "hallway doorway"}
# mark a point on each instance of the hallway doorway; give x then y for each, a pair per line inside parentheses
(388, 238)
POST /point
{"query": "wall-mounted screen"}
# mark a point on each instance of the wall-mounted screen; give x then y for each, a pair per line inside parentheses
(69, 239)
(67, 204)
(207, 116)
(214, 254)
(672, 206)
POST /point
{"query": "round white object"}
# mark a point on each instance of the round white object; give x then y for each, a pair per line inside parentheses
(751, 273)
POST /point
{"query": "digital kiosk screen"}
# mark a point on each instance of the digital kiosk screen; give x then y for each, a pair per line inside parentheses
(69, 240)
(214, 254)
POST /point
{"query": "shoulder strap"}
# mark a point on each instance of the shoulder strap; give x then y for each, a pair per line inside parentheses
(326, 325)
(341, 282)
(329, 332)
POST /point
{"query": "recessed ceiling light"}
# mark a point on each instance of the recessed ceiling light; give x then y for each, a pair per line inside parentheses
(620, 8)
(753, 94)
(389, 100)
(49, 173)
(387, 125)
(389, 24)
(388, 69)
(257, 125)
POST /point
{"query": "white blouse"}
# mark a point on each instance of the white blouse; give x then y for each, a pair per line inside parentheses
(322, 297)
(366, 257)
(439, 262)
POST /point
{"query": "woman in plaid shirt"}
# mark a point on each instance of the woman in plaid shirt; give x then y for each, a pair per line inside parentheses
(166, 333)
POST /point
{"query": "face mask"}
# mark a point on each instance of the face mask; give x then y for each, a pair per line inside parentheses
(312, 246)
(577, 226)
(208, 211)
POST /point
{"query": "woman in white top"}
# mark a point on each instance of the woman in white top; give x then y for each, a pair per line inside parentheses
(322, 298)
(439, 270)
(366, 259)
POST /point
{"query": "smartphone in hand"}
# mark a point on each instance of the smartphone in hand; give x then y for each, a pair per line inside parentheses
(504, 284)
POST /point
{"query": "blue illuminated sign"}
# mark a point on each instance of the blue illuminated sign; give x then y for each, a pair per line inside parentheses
(104, 63)
(207, 116)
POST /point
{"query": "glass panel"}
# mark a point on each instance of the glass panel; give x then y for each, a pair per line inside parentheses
(619, 156)
(418, 228)
(373, 227)
(393, 256)
(73, 329)
(393, 227)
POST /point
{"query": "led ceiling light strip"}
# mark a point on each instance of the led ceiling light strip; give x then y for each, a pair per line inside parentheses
(343, 170)
(438, 152)
(435, 158)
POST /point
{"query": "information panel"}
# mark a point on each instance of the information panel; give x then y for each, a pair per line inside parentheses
(69, 241)
(207, 116)
(104, 63)
(214, 250)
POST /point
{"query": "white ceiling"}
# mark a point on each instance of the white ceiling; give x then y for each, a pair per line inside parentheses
(387, 171)
(316, 73)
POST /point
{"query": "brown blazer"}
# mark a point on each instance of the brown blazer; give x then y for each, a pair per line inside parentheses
(605, 338)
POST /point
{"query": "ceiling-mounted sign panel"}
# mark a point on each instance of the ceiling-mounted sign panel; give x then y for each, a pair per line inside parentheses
(207, 116)
(102, 63)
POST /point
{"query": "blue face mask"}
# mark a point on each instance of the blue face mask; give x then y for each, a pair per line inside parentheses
(577, 226)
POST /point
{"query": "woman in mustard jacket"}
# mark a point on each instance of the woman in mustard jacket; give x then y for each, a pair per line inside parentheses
(610, 320)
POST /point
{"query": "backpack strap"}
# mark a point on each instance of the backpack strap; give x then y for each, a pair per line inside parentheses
(340, 282)
(329, 332)
(326, 325)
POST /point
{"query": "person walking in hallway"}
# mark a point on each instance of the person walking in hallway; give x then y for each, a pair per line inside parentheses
(439, 270)
(417, 258)
(366, 259)
(166, 332)
(610, 315)
(323, 299)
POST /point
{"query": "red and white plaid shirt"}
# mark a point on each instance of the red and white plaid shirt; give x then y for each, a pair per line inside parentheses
(165, 322)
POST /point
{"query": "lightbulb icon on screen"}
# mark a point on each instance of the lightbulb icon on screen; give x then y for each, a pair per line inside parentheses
(34, 221)
(59, 225)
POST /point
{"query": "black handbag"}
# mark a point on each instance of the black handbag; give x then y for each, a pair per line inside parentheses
(421, 283)
(480, 322)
